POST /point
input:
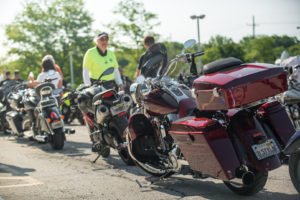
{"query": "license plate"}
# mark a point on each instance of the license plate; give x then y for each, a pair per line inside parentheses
(117, 109)
(267, 149)
(56, 125)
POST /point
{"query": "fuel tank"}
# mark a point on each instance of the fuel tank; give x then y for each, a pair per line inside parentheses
(158, 102)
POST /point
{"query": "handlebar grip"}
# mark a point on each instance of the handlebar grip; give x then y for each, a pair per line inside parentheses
(198, 54)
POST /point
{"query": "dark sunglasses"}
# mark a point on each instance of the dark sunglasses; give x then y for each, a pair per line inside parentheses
(103, 39)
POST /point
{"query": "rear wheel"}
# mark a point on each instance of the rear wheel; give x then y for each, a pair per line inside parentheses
(58, 139)
(294, 169)
(258, 184)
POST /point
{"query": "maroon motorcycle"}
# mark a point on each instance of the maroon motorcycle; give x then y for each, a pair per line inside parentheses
(227, 128)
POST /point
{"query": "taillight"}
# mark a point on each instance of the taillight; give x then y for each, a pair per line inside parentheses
(53, 115)
(121, 114)
(108, 94)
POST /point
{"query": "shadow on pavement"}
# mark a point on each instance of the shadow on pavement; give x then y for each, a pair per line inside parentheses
(14, 170)
(208, 189)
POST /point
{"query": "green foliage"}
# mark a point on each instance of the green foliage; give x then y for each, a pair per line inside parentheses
(221, 47)
(53, 27)
(266, 48)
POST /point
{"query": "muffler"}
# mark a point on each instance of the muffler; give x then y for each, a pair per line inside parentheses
(101, 113)
(127, 100)
(41, 138)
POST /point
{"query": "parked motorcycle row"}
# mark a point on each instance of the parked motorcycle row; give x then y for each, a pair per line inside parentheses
(24, 109)
(223, 124)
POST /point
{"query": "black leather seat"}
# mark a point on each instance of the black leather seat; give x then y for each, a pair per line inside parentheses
(221, 64)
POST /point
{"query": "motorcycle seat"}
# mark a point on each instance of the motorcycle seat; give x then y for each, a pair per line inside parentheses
(109, 100)
(220, 64)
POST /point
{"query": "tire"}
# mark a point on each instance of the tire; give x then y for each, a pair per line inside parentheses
(80, 117)
(58, 139)
(118, 127)
(294, 169)
(260, 181)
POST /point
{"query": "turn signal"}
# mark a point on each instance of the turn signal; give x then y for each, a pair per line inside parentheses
(62, 117)
(48, 120)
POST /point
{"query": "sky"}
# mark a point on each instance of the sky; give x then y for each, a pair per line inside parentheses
(230, 18)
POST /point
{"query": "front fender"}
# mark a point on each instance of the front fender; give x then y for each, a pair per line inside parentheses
(293, 144)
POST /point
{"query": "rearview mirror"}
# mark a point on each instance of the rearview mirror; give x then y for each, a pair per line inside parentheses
(188, 44)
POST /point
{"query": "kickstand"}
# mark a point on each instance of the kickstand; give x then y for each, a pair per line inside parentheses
(94, 161)
(154, 180)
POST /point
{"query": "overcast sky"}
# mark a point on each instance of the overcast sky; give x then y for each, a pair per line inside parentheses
(230, 18)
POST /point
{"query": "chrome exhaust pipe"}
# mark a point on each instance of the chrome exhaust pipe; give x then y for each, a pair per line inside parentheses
(127, 100)
(101, 113)
(40, 138)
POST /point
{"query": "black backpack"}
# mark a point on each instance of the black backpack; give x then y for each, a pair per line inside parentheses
(154, 60)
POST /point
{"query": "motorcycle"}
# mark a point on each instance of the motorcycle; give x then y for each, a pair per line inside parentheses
(17, 118)
(226, 129)
(105, 112)
(43, 110)
(69, 107)
(291, 99)
(5, 89)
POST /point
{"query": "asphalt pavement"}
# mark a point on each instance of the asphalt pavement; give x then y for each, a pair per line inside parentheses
(31, 170)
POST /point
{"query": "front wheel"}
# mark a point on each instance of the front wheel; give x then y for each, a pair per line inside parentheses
(58, 139)
(118, 127)
(294, 169)
(258, 184)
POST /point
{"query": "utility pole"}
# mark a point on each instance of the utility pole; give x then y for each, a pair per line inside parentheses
(253, 26)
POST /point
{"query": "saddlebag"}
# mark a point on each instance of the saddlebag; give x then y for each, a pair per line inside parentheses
(206, 146)
(239, 86)
(279, 120)
(15, 122)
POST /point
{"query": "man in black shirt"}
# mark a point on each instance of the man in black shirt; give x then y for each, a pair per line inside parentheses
(148, 42)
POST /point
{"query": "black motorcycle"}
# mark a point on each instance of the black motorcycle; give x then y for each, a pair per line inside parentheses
(17, 117)
(69, 107)
(43, 110)
(6, 87)
(105, 112)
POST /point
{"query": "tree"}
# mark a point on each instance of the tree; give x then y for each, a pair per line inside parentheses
(267, 48)
(221, 47)
(133, 25)
(53, 27)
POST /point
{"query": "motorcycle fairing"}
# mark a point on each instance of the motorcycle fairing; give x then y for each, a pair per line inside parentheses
(206, 146)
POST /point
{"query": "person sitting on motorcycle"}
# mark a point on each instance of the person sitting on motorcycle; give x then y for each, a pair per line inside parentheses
(56, 67)
(97, 59)
(17, 76)
(48, 73)
(6, 79)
